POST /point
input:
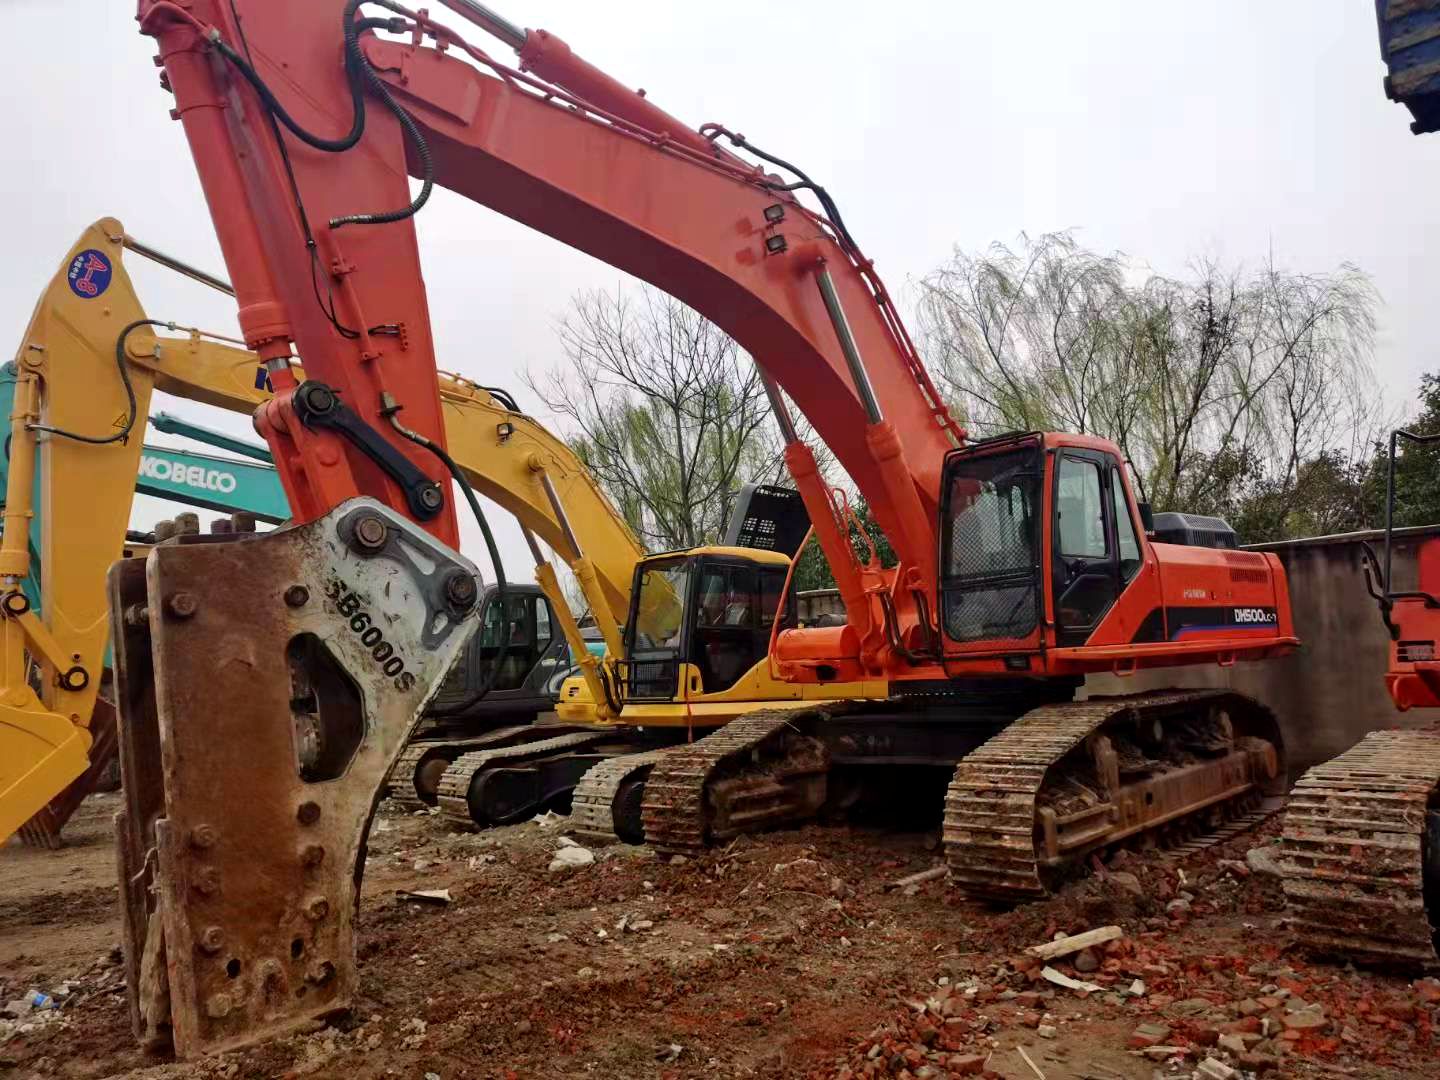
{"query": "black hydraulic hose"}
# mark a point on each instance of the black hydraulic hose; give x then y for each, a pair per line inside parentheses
(503, 396)
(439, 451)
(319, 142)
(831, 210)
(123, 366)
(407, 124)
(360, 75)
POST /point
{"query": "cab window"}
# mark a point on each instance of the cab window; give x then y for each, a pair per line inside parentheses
(1124, 529)
(1081, 509)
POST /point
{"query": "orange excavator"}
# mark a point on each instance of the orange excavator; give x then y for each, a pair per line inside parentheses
(1023, 562)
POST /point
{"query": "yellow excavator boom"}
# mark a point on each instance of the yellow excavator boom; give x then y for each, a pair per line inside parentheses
(75, 421)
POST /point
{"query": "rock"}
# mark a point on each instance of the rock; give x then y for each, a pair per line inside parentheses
(568, 858)
(1086, 961)
(839, 889)
(1259, 1063)
(1178, 907)
(1399, 1010)
(1215, 1069)
(1126, 882)
(1147, 1035)
(1234, 1043)
(1030, 1019)
(966, 1064)
(1234, 866)
(1189, 1007)
(1249, 1007)
(1160, 1053)
(585, 973)
(523, 1027)
(1311, 1019)
(1262, 861)
(432, 1076)
(1046, 1031)
(1136, 988)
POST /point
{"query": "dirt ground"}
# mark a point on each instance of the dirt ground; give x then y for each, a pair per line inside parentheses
(780, 956)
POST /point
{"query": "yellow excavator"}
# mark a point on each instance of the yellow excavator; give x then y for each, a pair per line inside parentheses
(686, 634)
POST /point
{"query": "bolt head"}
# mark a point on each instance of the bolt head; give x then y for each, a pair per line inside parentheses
(297, 596)
(320, 399)
(218, 1005)
(460, 590)
(204, 836)
(212, 939)
(206, 881)
(370, 532)
(431, 498)
(308, 813)
(312, 855)
(182, 605)
(316, 908)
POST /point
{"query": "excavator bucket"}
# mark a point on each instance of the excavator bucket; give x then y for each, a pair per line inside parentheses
(43, 828)
(41, 752)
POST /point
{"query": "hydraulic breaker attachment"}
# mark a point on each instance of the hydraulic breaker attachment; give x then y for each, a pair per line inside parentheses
(265, 687)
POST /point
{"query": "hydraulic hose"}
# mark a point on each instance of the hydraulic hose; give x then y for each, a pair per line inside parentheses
(391, 409)
(123, 366)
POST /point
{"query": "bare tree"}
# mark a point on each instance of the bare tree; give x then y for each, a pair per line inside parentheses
(1206, 382)
(668, 414)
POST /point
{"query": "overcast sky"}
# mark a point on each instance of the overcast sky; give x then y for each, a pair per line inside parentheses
(1160, 128)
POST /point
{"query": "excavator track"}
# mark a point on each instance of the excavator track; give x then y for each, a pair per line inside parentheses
(453, 791)
(403, 781)
(1353, 852)
(594, 811)
(1003, 842)
(759, 770)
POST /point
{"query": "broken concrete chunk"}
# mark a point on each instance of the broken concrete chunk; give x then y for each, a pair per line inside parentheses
(568, 858)
(1073, 943)
(1059, 978)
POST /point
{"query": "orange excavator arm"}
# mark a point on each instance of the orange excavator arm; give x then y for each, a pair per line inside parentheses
(266, 91)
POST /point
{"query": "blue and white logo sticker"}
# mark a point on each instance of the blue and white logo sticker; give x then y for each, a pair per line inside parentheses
(90, 273)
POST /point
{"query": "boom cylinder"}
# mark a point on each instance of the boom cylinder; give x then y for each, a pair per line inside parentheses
(853, 359)
(778, 407)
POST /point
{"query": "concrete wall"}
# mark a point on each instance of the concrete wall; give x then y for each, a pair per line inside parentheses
(1330, 692)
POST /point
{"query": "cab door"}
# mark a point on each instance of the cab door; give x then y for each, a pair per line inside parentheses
(1085, 565)
(726, 629)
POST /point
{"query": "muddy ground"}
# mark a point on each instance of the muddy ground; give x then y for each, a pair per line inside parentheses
(783, 956)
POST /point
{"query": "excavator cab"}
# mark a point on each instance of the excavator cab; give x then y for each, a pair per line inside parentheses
(1049, 565)
(700, 620)
(519, 633)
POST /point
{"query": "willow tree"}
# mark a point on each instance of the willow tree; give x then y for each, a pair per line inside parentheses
(1217, 385)
(665, 410)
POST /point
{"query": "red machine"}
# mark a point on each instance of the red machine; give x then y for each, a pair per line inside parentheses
(1362, 831)
(1024, 562)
